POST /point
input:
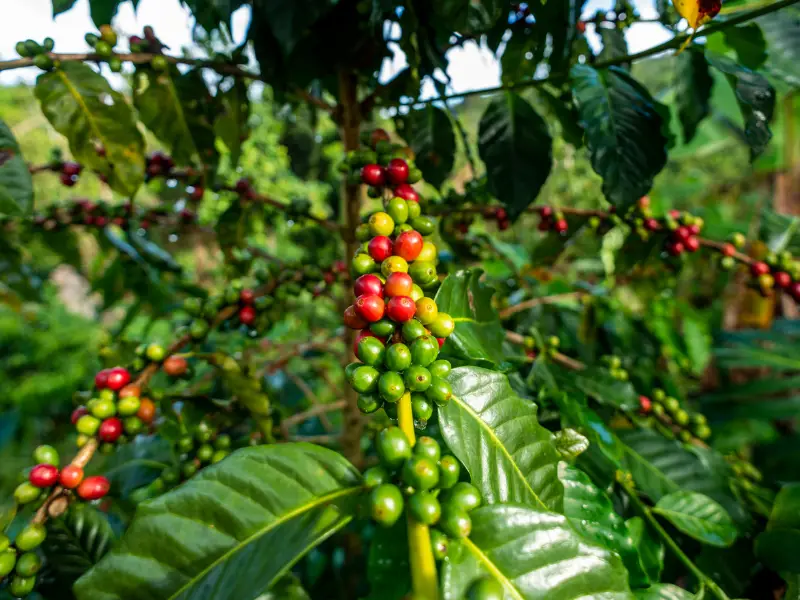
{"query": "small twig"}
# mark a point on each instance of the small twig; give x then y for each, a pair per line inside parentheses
(312, 397)
(328, 440)
(319, 409)
(512, 310)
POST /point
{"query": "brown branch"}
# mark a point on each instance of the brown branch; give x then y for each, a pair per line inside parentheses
(511, 310)
(312, 397)
(319, 409)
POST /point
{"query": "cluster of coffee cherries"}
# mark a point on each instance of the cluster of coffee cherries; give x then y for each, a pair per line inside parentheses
(69, 172)
(615, 368)
(204, 447)
(669, 410)
(552, 220)
(777, 271)
(116, 413)
(40, 53)
(103, 46)
(683, 229)
(425, 482)
(101, 214)
(159, 164)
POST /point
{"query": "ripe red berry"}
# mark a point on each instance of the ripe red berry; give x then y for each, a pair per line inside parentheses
(373, 175)
(682, 233)
(380, 248)
(408, 245)
(782, 279)
(728, 250)
(110, 430)
(378, 135)
(370, 308)
(197, 193)
(247, 296)
(651, 224)
(401, 309)
(546, 212)
(94, 488)
(692, 244)
(67, 180)
(361, 335)
(399, 284)
(794, 290)
(174, 366)
(247, 315)
(581, 26)
(675, 248)
(759, 268)
(406, 192)
(645, 404)
(644, 201)
(71, 168)
(397, 171)
(503, 224)
(101, 379)
(242, 186)
(441, 342)
(675, 214)
(368, 285)
(500, 214)
(352, 320)
(340, 266)
(70, 476)
(462, 228)
(78, 413)
(43, 476)
(561, 226)
(694, 229)
(118, 378)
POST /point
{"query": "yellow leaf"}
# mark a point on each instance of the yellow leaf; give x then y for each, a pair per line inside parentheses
(697, 12)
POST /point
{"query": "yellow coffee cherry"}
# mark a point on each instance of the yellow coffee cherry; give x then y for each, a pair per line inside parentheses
(428, 253)
(417, 293)
(443, 325)
(427, 310)
(394, 264)
(380, 223)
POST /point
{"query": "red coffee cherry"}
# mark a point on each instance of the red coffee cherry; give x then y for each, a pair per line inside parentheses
(645, 404)
(759, 268)
(380, 248)
(675, 248)
(118, 378)
(682, 233)
(401, 309)
(373, 175)
(94, 488)
(728, 250)
(370, 308)
(43, 476)
(406, 192)
(70, 477)
(397, 171)
(368, 285)
(78, 413)
(692, 244)
(71, 169)
(101, 379)
(651, 224)
(546, 212)
(110, 430)
(408, 245)
(782, 279)
(352, 319)
(561, 225)
(399, 284)
(175, 366)
(247, 315)
(378, 135)
(247, 296)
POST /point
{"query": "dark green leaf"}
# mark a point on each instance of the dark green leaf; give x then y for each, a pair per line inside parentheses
(779, 546)
(780, 232)
(388, 571)
(663, 591)
(230, 531)
(290, 20)
(614, 44)
(598, 383)
(172, 106)
(623, 125)
(756, 98)
(782, 31)
(231, 124)
(567, 116)
(75, 543)
(478, 336)
(535, 556)
(16, 186)
(650, 548)
(515, 146)
(429, 133)
(570, 443)
(102, 11)
(693, 83)
(698, 516)
(82, 106)
(593, 516)
(524, 50)
(61, 6)
(497, 436)
(749, 43)
(559, 19)
(211, 13)
(137, 463)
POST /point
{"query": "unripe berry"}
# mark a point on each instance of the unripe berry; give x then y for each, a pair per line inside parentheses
(94, 488)
(380, 223)
(147, 410)
(43, 476)
(175, 366)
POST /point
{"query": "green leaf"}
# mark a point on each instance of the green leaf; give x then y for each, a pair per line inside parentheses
(598, 383)
(566, 114)
(698, 516)
(749, 44)
(614, 44)
(782, 32)
(693, 83)
(663, 591)
(478, 336)
(210, 13)
(593, 516)
(535, 556)
(495, 434)
(779, 546)
(75, 543)
(82, 106)
(231, 124)
(290, 20)
(623, 125)
(16, 186)
(102, 11)
(232, 530)
(756, 98)
(523, 51)
(171, 105)
(516, 147)
(650, 548)
(570, 443)
(430, 135)
(62, 6)
(388, 569)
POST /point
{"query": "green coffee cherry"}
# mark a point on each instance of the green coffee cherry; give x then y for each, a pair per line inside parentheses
(486, 588)
(8, 559)
(424, 507)
(428, 447)
(393, 447)
(424, 350)
(439, 543)
(386, 504)
(369, 403)
(375, 476)
(417, 379)
(46, 455)
(21, 586)
(440, 391)
(464, 496)
(421, 408)
(449, 472)
(28, 564)
(398, 357)
(365, 379)
(31, 537)
(455, 522)
(440, 368)
(412, 330)
(391, 386)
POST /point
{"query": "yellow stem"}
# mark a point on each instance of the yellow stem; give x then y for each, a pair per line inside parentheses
(424, 582)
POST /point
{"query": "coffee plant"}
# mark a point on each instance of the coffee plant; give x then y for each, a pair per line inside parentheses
(353, 347)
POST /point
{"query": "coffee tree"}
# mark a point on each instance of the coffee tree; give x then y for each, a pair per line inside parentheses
(377, 377)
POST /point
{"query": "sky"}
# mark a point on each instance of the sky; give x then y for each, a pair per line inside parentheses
(470, 67)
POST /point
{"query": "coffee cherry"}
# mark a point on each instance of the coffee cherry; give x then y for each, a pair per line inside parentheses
(440, 544)
(370, 308)
(398, 357)
(22, 586)
(87, 425)
(400, 309)
(70, 476)
(43, 476)
(412, 330)
(369, 403)
(759, 268)
(8, 559)
(424, 273)
(380, 248)
(449, 471)
(386, 504)
(103, 408)
(101, 379)
(398, 284)
(93, 488)
(368, 285)
(427, 310)
(110, 430)
(675, 248)
(645, 404)
(375, 476)
(440, 368)
(26, 492)
(377, 136)
(782, 279)
(464, 496)
(174, 366)
(397, 208)
(455, 522)
(421, 473)
(365, 379)
(373, 175)
(78, 413)
(439, 391)
(424, 507)
(408, 245)
(352, 319)
(692, 244)
(424, 350)
(118, 378)
(488, 588)
(133, 425)
(443, 325)
(363, 334)
(421, 408)
(247, 315)
(46, 455)
(561, 226)
(371, 351)
(728, 250)
(28, 564)
(147, 410)
(391, 386)
(428, 447)
(392, 447)
(397, 171)
(406, 192)
(383, 328)
(416, 293)
(394, 264)
(31, 537)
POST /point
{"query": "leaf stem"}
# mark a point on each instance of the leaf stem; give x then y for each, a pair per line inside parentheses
(704, 579)
(424, 582)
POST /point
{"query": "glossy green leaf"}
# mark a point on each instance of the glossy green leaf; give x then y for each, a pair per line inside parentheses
(82, 106)
(570, 443)
(388, 569)
(290, 20)
(693, 83)
(515, 145)
(231, 124)
(623, 125)
(103, 11)
(535, 556)
(663, 591)
(779, 546)
(598, 383)
(171, 105)
(782, 33)
(749, 44)
(75, 543)
(698, 516)
(429, 133)
(650, 547)
(478, 336)
(496, 435)
(593, 516)
(230, 531)
(16, 186)
(756, 98)
(61, 6)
